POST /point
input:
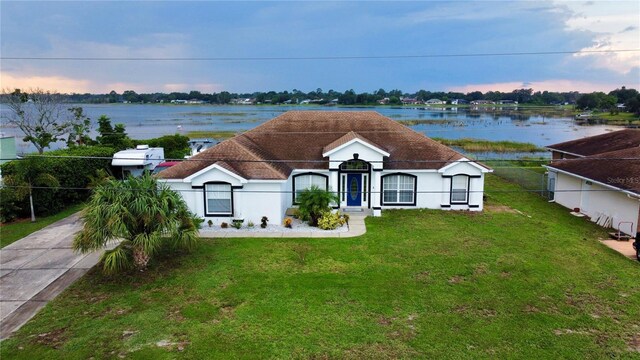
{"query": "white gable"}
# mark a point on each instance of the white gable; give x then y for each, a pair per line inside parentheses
(215, 173)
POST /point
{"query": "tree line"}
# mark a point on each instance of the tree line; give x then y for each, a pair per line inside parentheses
(351, 97)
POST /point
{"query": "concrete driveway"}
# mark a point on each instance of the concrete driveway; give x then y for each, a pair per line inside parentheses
(37, 268)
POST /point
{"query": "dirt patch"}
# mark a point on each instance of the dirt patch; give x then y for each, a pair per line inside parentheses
(379, 351)
(499, 209)
(54, 339)
(456, 279)
(634, 343)
(423, 276)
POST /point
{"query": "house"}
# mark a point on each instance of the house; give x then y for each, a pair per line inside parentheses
(482, 102)
(435, 102)
(409, 101)
(372, 162)
(135, 161)
(599, 176)
(459, 102)
(507, 102)
(7, 150)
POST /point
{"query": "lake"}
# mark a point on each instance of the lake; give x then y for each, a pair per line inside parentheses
(541, 126)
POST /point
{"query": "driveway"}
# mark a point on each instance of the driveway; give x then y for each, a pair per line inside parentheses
(35, 269)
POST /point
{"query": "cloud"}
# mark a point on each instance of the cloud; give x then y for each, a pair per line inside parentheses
(559, 85)
(54, 83)
(601, 19)
(628, 28)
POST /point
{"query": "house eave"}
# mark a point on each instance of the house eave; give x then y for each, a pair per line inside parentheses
(629, 192)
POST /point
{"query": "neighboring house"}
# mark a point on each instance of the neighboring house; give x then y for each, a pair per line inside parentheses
(7, 150)
(459, 102)
(435, 102)
(135, 161)
(600, 177)
(371, 161)
(409, 101)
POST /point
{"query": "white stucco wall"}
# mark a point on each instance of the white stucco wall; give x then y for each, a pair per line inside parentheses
(597, 200)
(567, 192)
(253, 199)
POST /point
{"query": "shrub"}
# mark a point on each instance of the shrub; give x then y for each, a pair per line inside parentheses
(250, 224)
(314, 202)
(175, 146)
(210, 223)
(288, 222)
(330, 220)
(224, 225)
(263, 222)
(73, 168)
(237, 224)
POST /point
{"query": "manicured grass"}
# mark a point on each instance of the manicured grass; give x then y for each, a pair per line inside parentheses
(212, 134)
(525, 280)
(480, 145)
(12, 232)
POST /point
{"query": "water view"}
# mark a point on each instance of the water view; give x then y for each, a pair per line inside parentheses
(541, 127)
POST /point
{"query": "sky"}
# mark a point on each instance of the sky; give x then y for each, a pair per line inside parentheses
(208, 29)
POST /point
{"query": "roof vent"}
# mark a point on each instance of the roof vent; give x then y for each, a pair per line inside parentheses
(142, 147)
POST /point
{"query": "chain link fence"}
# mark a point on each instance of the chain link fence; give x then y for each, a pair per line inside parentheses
(533, 179)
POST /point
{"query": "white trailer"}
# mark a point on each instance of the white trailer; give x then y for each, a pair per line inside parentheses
(136, 161)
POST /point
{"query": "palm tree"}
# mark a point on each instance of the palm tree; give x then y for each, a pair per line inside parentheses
(144, 216)
(24, 177)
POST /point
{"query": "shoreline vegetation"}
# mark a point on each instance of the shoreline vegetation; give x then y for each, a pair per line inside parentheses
(218, 135)
(480, 145)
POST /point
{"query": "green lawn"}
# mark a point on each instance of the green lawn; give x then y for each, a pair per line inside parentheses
(420, 284)
(12, 232)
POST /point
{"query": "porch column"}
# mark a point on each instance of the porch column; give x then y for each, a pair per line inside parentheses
(376, 189)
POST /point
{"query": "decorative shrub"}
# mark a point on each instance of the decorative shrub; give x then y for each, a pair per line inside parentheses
(250, 224)
(288, 222)
(237, 224)
(263, 222)
(224, 225)
(175, 146)
(314, 202)
(210, 223)
(330, 220)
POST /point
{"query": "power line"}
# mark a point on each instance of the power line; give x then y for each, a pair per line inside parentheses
(297, 58)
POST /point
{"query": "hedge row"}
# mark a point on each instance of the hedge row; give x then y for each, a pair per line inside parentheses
(72, 168)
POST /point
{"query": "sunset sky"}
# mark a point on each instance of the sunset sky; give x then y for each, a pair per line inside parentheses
(171, 29)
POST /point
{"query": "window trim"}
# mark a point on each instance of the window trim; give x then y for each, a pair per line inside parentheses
(293, 184)
(466, 202)
(206, 207)
(415, 190)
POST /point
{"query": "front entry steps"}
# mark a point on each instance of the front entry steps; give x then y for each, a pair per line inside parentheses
(356, 211)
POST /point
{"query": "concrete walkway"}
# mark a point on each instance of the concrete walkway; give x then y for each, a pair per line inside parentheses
(623, 247)
(356, 228)
(37, 268)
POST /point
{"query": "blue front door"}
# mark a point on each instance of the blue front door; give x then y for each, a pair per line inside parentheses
(354, 189)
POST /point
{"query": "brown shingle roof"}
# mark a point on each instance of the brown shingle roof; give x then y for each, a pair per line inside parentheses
(297, 140)
(616, 140)
(620, 168)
